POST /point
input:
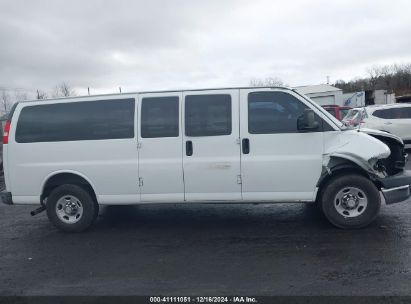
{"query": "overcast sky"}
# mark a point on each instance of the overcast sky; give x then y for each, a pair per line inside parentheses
(148, 45)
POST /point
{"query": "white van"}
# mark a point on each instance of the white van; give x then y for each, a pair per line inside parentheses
(251, 145)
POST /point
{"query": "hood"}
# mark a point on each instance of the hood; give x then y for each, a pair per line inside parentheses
(381, 133)
(360, 146)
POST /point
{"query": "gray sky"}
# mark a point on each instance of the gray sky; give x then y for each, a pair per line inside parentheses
(148, 45)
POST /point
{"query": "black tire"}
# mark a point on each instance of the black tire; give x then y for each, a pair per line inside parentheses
(89, 210)
(96, 205)
(96, 210)
(355, 218)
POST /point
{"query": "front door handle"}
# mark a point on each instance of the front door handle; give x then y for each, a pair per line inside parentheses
(189, 148)
(245, 145)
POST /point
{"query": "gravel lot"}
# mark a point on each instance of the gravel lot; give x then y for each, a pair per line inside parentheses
(202, 249)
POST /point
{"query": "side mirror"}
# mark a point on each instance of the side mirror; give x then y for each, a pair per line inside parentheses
(307, 122)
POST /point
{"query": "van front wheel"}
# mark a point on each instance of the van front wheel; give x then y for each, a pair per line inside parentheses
(350, 201)
(71, 208)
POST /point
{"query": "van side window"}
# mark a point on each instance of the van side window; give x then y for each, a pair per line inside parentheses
(208, 115)
(83, 120)
(159, 117)
(275, 112)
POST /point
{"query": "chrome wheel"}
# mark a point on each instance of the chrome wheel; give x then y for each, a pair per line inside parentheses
(69, 209)
(350, 202)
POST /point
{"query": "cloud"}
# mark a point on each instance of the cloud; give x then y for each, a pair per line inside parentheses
(148, 45)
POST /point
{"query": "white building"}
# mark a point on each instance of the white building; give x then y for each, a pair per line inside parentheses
(383, 97)
(323, 94)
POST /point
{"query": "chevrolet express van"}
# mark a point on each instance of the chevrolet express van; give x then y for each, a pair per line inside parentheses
(249, 145)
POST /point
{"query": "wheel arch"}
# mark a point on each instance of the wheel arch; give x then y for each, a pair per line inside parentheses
(58, 178)
(340, 166)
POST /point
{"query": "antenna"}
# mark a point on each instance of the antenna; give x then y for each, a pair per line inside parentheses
(88, 90)
(328, 79)
(119, 88)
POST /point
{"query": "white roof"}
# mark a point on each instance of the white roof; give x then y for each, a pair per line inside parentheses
(319, 88)
(390, 105)
(373, 108)
(163, 91)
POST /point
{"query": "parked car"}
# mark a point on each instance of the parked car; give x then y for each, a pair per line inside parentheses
(353, 117)
(337, 111)
(251, 145)
(391, 118)
(3, 120)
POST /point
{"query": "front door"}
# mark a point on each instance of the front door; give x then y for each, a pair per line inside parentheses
(211, 157)
(278, 162)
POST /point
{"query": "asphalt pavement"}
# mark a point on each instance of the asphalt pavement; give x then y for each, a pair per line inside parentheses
(202, 249)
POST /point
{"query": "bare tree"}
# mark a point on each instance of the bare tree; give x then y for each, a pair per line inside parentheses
(63, 90)
(374, 73)
(267, 82)
(20, 95)
(5, 100)
(395, 78)
(41, 94)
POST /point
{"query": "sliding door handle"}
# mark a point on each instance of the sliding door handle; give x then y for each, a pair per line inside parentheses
(245, 144)
(189, 148)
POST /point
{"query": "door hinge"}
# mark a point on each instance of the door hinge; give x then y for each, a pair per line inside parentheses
(139, 145)
(140, 182)
(239, 180)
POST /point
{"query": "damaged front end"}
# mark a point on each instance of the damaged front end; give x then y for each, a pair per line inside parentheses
(396, 161)
(381, 155)
(395, 186)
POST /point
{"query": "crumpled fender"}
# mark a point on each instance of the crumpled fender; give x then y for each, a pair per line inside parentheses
(357, 147)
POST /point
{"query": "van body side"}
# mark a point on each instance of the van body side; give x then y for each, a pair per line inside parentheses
(210, 146)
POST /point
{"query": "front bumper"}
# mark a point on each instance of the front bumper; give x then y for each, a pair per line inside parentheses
(396, 188)
(6, 198)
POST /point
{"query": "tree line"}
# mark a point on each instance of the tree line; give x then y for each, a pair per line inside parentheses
(395, 78)
(9, 97)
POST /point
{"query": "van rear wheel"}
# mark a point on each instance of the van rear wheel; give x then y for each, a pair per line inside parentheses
(350, 201)
(71, 208)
